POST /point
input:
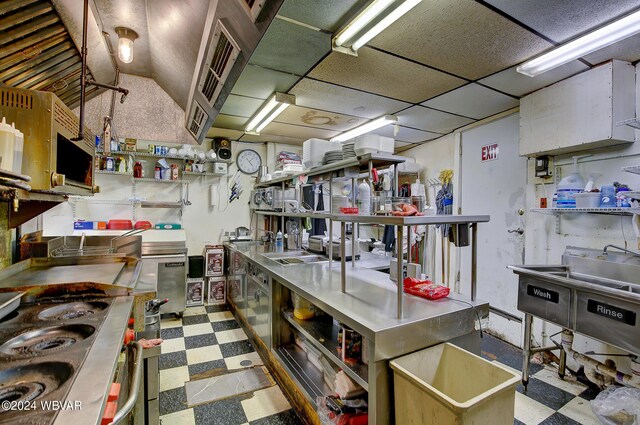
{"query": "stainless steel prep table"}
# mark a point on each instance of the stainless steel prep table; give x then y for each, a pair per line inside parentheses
(369, 307)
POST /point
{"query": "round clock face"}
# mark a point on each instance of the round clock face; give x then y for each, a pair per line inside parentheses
(248, 161)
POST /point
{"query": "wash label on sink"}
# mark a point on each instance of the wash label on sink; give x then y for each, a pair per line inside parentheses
(542, 293)
(612, 312)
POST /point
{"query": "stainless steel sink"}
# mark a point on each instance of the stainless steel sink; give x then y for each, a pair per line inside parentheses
(295, 257)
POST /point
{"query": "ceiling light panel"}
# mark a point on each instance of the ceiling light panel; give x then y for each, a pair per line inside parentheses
(431, 120)
(365, 128)
(328, 97)
(473, 101)
(384, 74)
(431, 34)
(512, 82)
(368, 14)
(269, 111)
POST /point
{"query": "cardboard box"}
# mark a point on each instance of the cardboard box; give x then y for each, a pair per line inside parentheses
(89, 225)
(217, 290)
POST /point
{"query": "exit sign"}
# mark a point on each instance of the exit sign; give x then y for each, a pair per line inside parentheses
(490, 152)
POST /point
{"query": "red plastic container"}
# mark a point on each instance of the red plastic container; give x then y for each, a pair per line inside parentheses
(119, 225)
(349, 210)
(143, 225)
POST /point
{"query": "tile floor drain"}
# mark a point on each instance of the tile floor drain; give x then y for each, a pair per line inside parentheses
(227, 385)
(246, 363)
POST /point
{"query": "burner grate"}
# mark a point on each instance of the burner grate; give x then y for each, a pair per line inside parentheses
(70, 311)
(25, 391)
(46, 341)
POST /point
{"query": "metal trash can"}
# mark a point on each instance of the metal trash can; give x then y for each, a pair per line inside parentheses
(445, 384)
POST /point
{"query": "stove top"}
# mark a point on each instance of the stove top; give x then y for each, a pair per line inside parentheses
(42, 347)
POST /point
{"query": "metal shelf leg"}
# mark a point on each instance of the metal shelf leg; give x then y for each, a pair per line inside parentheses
(400, 270)
(526, 349)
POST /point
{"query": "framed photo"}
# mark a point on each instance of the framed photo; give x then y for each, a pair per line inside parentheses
(195, 292)
(217, 290)
(214, 261)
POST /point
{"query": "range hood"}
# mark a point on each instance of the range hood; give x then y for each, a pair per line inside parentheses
(232, 32)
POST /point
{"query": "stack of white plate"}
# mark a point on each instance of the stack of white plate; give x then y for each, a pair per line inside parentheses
(331, 157)
(348, 150)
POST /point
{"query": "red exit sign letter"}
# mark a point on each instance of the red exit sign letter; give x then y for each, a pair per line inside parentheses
(490, 152)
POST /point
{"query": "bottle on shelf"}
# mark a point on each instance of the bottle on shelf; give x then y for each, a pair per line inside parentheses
(364, 198)
(7, 145)
(279, 242)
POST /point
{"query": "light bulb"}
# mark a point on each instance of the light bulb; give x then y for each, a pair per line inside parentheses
(125, 50)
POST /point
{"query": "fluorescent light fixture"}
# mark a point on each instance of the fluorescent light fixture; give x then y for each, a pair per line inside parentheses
(360, 21)
(269, 111)
(126, 37)
(365, 128)
(603, 37)
(384, 23)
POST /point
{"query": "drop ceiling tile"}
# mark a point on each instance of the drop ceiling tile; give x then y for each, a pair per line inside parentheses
(262, 138)
(324, 14)
(241, 106)
(462, 37)
(431, 120)
(291, 48)
(564, 20)
(403, 146)
(297, 131)
(473, 101)
(381, 73)
(406, 134)
(224, 132)
(626, 50)
(261, 82)
(328, 97)
(299, 115)
(512, 82)
(230, 122)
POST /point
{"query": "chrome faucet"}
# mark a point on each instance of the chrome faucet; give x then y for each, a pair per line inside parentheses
(604, 251)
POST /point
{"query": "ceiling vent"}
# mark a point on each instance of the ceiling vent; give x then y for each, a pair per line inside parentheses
(219, 63)
(197, 119)
(252, 7)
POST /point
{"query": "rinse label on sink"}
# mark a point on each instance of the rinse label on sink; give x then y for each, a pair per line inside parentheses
(542, 293)
(612, 312)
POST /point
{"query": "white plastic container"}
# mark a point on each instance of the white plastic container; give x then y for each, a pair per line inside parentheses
(587, 199)
(18, 151)
(7, 145)
(449, 385)
(364, 199)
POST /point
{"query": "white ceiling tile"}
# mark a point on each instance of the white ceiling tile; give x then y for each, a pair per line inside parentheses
(261, 82)
(230, 122)
(512, 82)
(291, 48)
(271, 138)
(328, 97)
(406, 134)
(297, 131)
(565, 19)
(384, 74)
(224, 132)
(474, 101)
(431, 120)
(324, 14)
(462, 37)
(241, 106)
(298, 115)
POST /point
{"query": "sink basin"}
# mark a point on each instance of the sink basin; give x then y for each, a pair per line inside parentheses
(295, 257)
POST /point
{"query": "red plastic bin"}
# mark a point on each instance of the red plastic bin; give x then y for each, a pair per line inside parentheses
(119, 225)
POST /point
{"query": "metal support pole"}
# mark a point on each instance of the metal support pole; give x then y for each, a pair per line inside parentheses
(343, 256)
(526, 349)
(330, 251)
(474, 260)
(400, 273)
(83, 72)
(409, 244)
(562, 367)
(396, 179)
(354, 242)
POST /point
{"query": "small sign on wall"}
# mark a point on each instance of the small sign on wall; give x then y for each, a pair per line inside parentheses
(490, 152)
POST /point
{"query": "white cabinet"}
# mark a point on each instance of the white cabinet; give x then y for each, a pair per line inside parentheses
(580, 112)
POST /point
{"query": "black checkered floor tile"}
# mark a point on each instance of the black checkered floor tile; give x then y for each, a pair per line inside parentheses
(206, 342)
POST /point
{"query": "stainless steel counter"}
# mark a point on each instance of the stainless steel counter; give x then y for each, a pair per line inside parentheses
(369, 305)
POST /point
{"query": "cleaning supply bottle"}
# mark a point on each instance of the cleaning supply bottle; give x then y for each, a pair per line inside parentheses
(364, 199)
(7, 145)
(18, 150)
(570, 185)
(279, 242)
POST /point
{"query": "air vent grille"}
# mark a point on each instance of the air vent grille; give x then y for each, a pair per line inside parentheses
(219, 63)
(12, 99)
(63, 117)
(198, 118)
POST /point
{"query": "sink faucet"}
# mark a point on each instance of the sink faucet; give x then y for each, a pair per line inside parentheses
(604, 251)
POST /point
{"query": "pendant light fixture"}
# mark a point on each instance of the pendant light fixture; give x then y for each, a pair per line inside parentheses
(126, 37)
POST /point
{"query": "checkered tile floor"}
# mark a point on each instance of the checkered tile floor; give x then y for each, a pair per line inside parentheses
(208, 340)
(548, 400)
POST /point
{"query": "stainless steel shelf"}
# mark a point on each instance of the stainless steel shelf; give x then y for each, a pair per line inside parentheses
(102, 201)
(114, 173)
(193, 173)
(635, 169)
(153, 155)
(611, 211)
(295, 215)
(410, 221)
(149, 180)
(378, 160)
(160, 204)
(323, 334)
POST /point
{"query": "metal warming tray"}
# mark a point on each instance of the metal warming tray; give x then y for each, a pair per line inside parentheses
(128, 245)
(593, 292)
